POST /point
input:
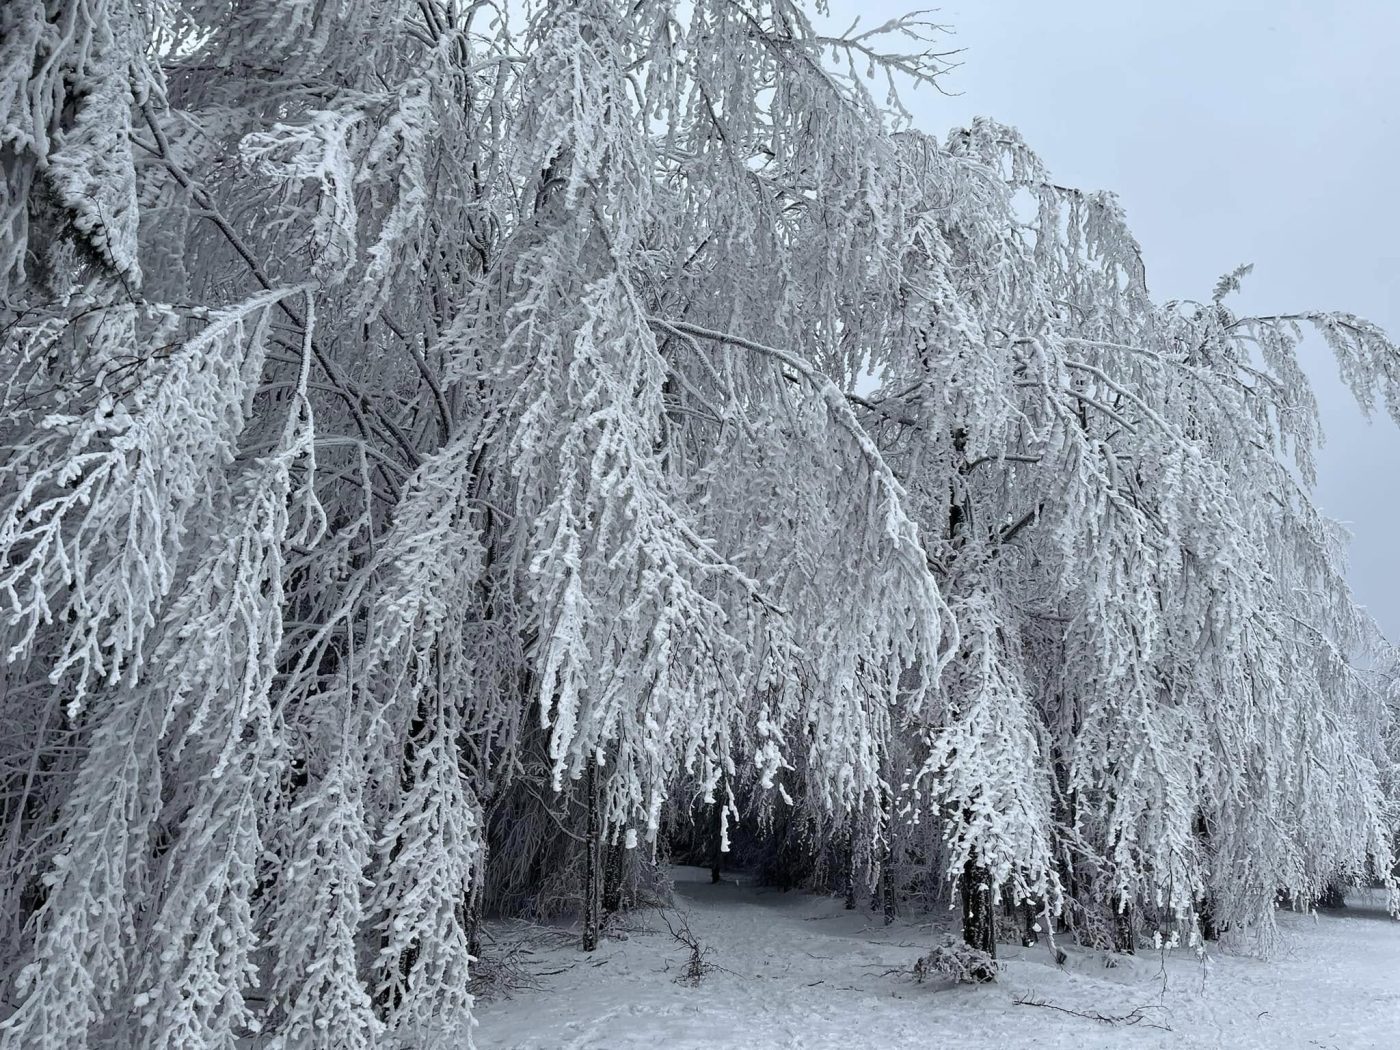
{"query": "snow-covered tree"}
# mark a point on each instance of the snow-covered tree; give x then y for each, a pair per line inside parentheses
(417, 414)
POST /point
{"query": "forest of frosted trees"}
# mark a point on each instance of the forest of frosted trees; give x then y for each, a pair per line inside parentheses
(458, 457)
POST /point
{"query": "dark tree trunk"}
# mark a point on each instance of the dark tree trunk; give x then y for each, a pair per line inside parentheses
(612, 878)
(1030, 916)
(975, 883)
(851, 864)
(717, 833)
(1065, 812)
(390, 994)
(979, 919)
(1206, 910)
(474, 908)
(1124, 931)
(592, 860)
(887, 893)
(887, 901)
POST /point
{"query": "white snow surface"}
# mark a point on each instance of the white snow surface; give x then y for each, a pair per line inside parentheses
(799, 971)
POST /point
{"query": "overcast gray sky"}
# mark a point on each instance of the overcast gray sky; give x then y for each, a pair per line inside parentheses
(1233, 131)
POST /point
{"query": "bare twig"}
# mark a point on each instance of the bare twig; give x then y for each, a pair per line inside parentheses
(698, 965)
(355, 398)
(1136, 1017)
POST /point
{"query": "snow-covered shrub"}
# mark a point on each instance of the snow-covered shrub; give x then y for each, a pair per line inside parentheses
(957, 961)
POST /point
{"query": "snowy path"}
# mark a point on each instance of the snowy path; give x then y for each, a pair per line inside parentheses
(800, 972)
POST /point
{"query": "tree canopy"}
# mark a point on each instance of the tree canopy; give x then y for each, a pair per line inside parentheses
(419, 412)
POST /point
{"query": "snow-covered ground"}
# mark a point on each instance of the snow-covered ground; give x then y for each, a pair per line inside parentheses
(798, 971)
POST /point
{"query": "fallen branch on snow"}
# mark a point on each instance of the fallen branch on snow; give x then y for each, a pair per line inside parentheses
(1135, 1017)
(698, 966)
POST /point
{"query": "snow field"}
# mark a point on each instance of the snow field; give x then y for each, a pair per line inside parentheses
(799, 972)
